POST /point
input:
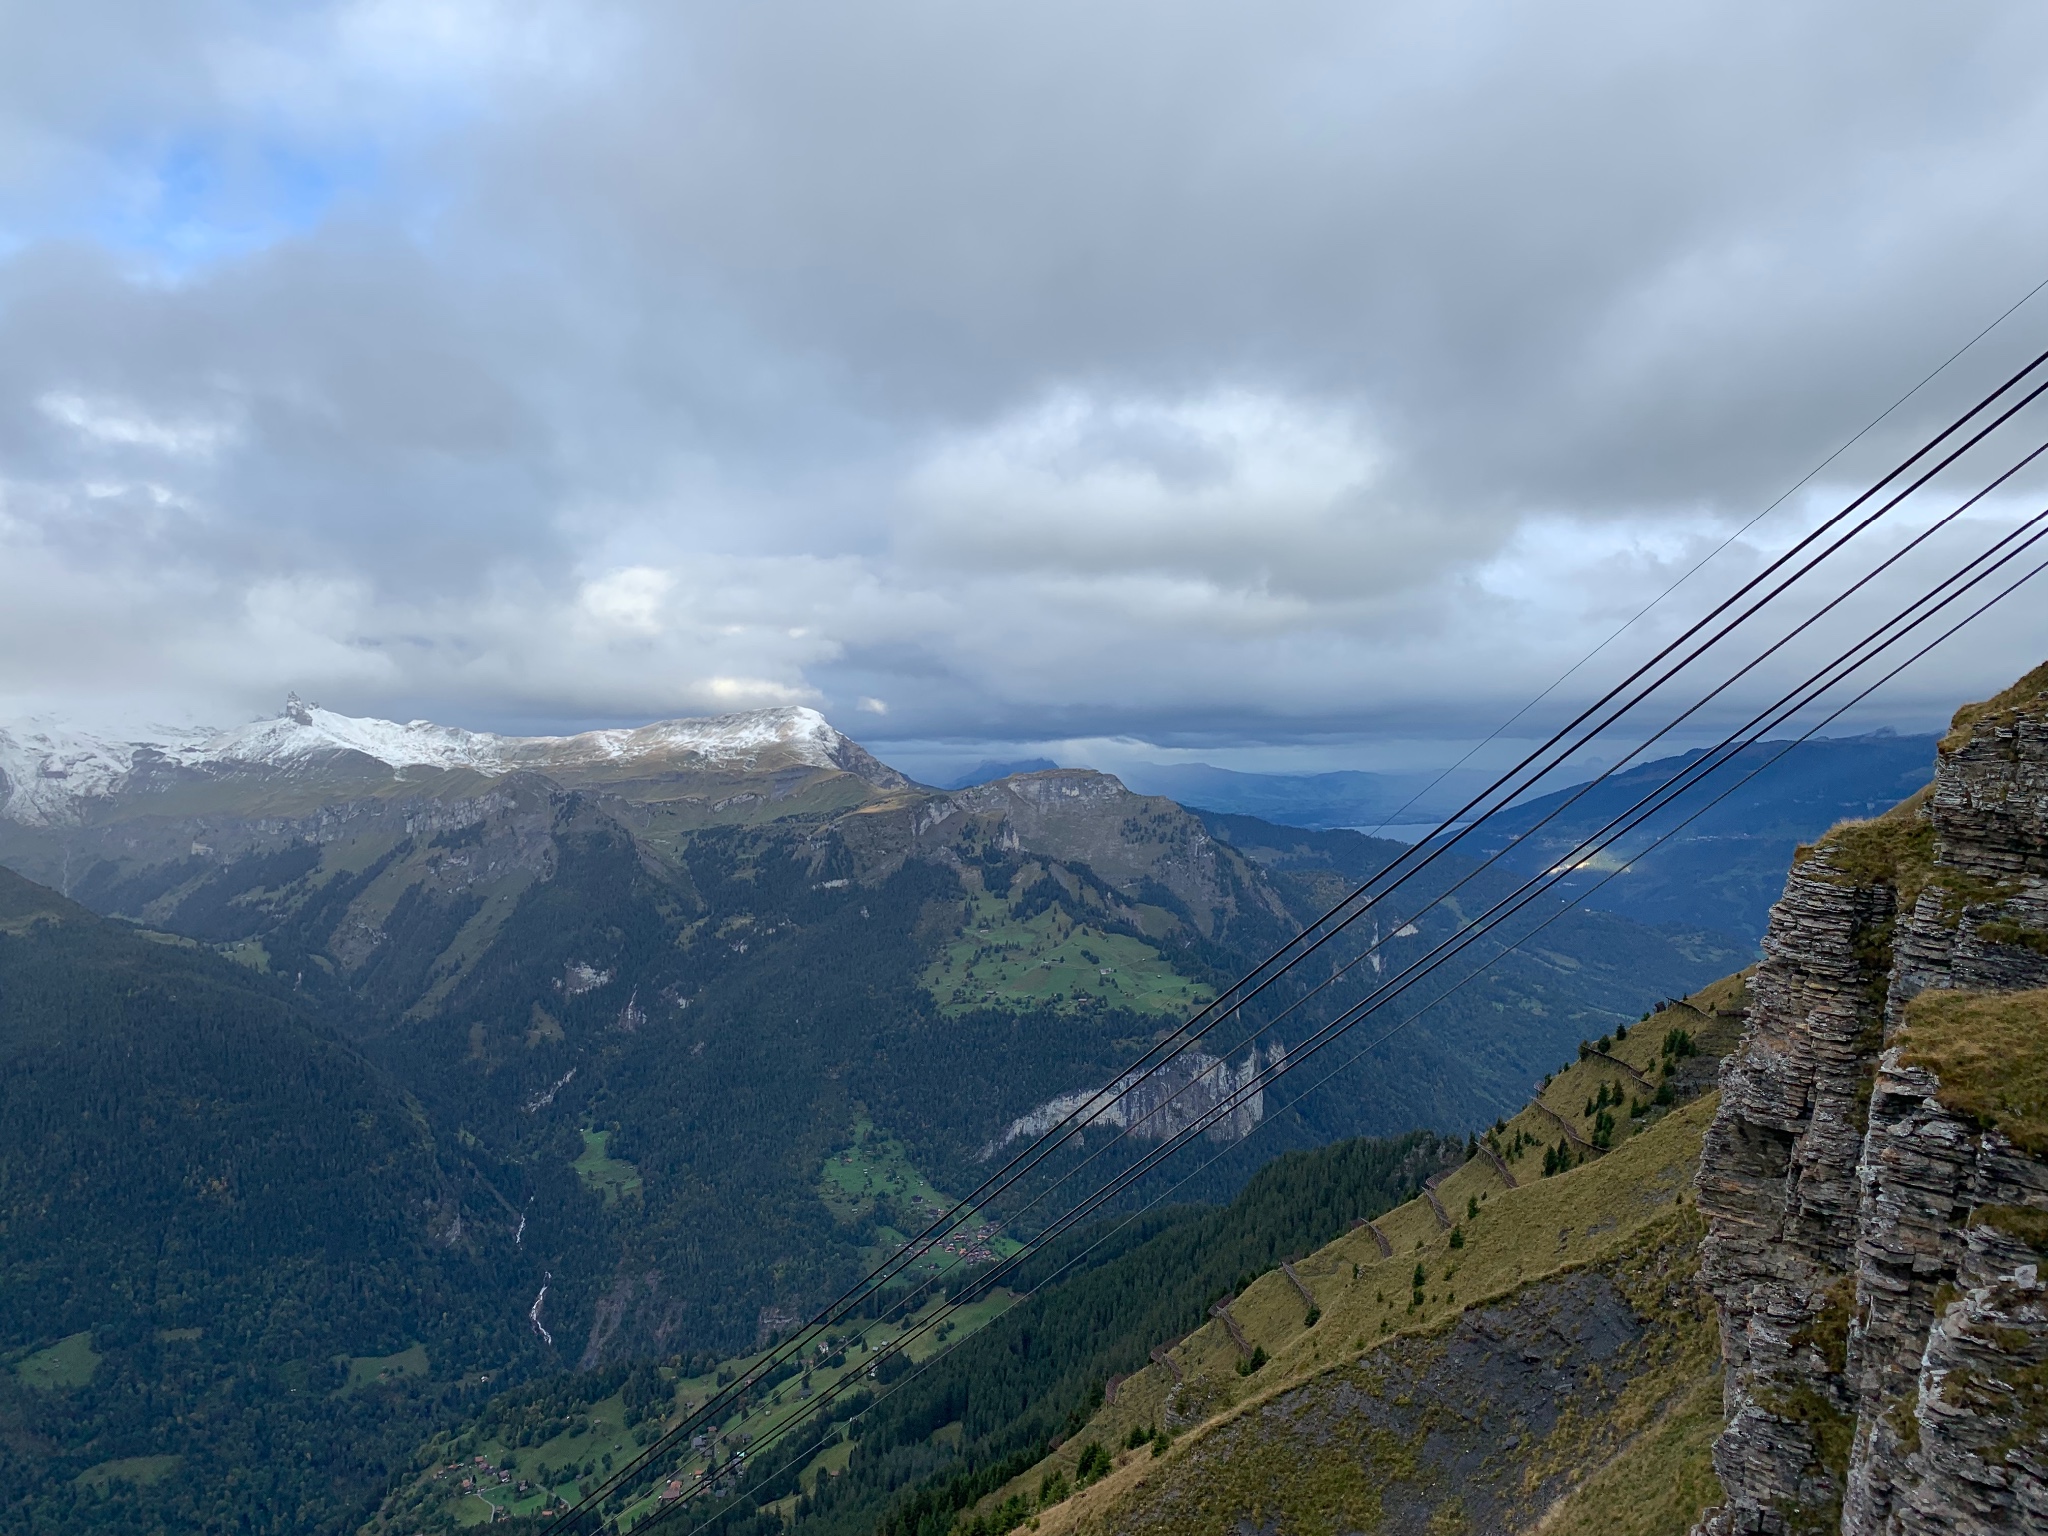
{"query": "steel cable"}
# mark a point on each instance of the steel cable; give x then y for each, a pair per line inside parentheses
(805, 1454)
(1485, 925)
(1184, 1040)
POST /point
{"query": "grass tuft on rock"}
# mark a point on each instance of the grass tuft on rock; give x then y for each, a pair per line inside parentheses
(2026, 691)
(1990, 1051)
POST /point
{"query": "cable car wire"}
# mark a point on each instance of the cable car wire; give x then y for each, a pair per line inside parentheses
(807, 1452)
(1483, 926)
(1184, 1040)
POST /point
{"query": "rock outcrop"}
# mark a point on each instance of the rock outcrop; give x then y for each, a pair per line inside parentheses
(1778, 1185)
(1189, 1091)
(1876, 1218)
(1951, 1332)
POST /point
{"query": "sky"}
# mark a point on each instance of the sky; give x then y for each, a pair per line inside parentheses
(1299, 385)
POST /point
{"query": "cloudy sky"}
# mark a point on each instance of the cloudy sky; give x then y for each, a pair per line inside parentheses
(1294, 383)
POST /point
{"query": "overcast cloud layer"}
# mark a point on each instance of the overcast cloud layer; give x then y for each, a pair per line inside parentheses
(1214, 376)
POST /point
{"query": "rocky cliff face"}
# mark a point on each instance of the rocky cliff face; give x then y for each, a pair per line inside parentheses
(1948, 1346)
(1873, 1188)
(1187, 1091)
(1778, 1184)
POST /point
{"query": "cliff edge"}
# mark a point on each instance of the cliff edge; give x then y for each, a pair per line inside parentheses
(1876, 1175)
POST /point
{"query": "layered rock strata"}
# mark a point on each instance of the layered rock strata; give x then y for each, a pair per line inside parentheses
(1949, 1347)
(1884, 1337)
(1778, 1186)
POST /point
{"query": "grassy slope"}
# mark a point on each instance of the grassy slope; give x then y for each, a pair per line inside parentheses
(70, 1362)
(2025, 691)
(610, 1176)
(1628, 1453)
(873, 1178)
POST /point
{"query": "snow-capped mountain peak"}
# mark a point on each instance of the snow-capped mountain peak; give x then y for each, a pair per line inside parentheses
(47, 772)
(301, 731)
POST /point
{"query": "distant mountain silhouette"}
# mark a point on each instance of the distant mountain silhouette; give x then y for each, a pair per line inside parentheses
(1347, 798)
(1722, 872)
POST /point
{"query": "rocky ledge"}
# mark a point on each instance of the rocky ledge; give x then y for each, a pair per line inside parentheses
(1876, 1179)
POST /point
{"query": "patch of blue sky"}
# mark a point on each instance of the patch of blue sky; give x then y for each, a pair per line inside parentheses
(192, 204)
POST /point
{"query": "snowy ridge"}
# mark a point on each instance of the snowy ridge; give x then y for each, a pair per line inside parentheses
(45, 770)
(305, 730)
(49, 772)
(802, 733)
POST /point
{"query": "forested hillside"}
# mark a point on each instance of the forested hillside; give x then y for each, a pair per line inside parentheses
(216, 1218)
(560, 1069)
(1522, 1348)
(1799, 1292)
(1097, 1301)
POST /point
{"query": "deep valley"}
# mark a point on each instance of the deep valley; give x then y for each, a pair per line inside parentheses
(432, 1132)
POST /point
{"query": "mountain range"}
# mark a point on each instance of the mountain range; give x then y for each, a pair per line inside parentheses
(622, 986)
(53, 776)
(1721, 871)
(1725, 858)
(1345, 798)
(1766, 1259)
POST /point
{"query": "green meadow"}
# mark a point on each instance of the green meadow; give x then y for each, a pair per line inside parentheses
(1050, 960)
(368, 1370)
(611, 1177)
(139, 1470)
(874, 1177)
(66, 1363)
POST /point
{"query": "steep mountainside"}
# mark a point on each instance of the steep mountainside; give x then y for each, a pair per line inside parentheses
(710, 950)
(1031, 1368)
(1725, 869)
(215, 1217)
(1521, 1348)
(432, 1068)
(1533, 1346)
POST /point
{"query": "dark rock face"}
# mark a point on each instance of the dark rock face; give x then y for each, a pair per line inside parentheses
(1979, 1465)
(1990, 815)
(1887, 1350)
(635, 1310)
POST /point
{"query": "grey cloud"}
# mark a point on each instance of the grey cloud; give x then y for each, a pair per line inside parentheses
(1610, 216)
(665, 359)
